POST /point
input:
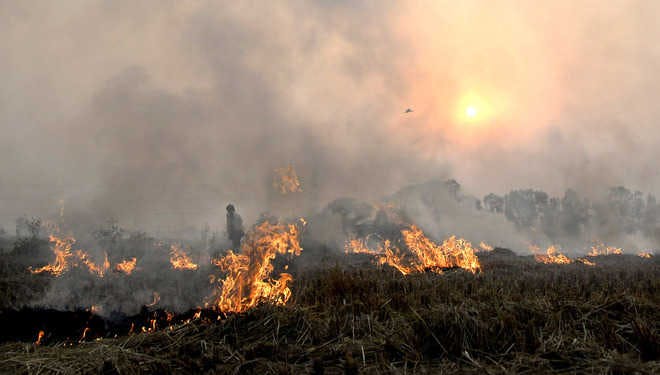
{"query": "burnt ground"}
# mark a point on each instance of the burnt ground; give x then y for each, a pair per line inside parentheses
(350, 317)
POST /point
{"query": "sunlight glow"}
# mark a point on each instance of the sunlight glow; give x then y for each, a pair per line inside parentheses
(471, 111)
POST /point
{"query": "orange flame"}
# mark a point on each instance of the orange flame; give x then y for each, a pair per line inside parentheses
(180, 260)
(552, 255)
(64, 259)
(84, 334)
(126, 266)
(452, 253)
(99, 269)
(155, 301)
(392, 257)
(39, 337)
(286, 180)
(62, 250)
(645, 254)
(485, 247)
(359, 246)
(586, 261)
(248, 280)
(601, 249)
(427, 255)
(384, 252)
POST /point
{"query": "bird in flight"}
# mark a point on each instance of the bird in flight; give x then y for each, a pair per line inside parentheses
(408, 110)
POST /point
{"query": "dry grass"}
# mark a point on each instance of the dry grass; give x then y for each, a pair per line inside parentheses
(515, 317)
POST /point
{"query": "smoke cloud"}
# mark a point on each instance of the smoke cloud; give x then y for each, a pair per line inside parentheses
(158, 113)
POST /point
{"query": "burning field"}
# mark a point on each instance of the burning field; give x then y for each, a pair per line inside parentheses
(329, 187)
(389, 297)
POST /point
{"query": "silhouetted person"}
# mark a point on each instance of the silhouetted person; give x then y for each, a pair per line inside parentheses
(234, 227)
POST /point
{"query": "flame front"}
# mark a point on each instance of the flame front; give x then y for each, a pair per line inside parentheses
(552, 255)
(359, 246)
(248, 280)
(453, 252)
(426, 255)
(65, 258)
(286, 180)
(602, 249)
(180, 260)
(392, 257)
(384, 252)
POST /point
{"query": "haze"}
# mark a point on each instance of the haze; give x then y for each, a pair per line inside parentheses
(158, 113)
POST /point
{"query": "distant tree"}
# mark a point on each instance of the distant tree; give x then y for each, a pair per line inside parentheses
(110, 234)
(214, 242)
(34, 227)
(494, 203)
(627, 207)
(205, 235)
(523, 207)
(574, 214)
(550, 218)
(649, 224)
(21, 227)
(619, 198)
(453, 187)
(27, 236)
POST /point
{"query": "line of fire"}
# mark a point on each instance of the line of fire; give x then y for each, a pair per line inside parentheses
(86, 296)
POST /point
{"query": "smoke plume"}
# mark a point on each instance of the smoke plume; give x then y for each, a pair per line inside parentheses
(158, 113)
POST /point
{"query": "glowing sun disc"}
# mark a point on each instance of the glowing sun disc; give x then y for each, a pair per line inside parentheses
(471, 111)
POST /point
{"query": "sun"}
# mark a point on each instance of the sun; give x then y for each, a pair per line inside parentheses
(474, 110)
(471, 111)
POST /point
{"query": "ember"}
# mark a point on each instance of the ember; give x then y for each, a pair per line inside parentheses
(40, 336)
(84, 334)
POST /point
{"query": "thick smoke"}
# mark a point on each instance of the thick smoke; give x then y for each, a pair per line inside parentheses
(159, 113)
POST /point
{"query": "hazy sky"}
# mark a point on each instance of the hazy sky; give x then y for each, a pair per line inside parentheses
(158, 113)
